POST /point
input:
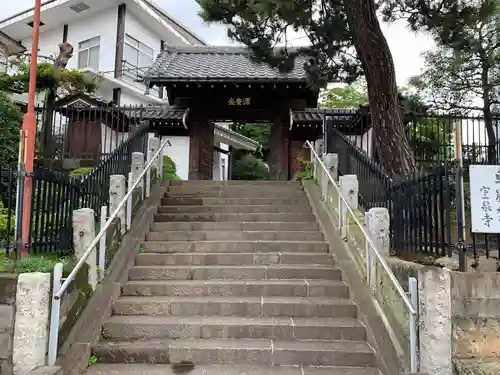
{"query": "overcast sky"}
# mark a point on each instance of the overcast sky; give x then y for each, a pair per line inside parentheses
(406, 47)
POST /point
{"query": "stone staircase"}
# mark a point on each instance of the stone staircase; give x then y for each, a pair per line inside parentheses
(234, 278)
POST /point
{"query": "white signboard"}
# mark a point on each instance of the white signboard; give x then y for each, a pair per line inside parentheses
(485, 198)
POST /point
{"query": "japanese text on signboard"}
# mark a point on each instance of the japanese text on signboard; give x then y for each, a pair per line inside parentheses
(485, 198)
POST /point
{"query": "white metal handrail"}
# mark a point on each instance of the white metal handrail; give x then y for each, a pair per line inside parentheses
(410, 305)
(55, 314)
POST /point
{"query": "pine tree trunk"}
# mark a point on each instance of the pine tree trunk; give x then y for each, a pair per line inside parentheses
(391, 144)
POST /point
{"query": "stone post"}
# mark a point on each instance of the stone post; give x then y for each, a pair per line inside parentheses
(434, 296)
(332, 164)
(378, 228)
(349, 188)
(31, 328)
(117, 191)
(319, 147)
(153, 147)
(83, 235)
(137, 167)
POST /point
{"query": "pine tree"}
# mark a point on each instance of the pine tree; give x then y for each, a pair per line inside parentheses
(346, 42)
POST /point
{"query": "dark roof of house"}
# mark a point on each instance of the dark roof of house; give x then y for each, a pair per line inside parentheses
(154, 112)
(315, 115)
(213, 64)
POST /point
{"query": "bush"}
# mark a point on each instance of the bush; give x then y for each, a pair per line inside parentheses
(11, 118)
(169, 169)
(80, 172)
(248, 167)
(306, 170)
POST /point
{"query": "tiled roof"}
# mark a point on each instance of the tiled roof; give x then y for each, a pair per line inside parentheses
(209, 64)
(315, 115)
(155, 113)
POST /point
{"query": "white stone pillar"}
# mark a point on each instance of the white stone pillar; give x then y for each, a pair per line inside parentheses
(319, 147)
(137, 167)
(434, 296)
(349, 189)
(31, 325)
(153, 147)
(83, 235)
(117, 191)
(332, 164)
(378, 227)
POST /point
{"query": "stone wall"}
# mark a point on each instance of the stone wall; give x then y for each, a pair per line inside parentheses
(475, 306)
(8, 286)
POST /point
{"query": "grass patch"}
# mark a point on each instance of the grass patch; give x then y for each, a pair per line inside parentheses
(35, 263)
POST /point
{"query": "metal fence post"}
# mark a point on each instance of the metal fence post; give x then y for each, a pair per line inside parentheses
(102, 243)
(367, 254)
(148, 175)
(130, 200)
(55, 315)
(413, 291)
(160, 166)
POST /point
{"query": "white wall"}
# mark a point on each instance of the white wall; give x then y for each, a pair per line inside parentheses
(138, 30)
(364, 141)
(48, 42)
(101, 24)
(178, 150)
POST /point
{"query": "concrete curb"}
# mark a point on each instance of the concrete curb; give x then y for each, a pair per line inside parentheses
(389, 356)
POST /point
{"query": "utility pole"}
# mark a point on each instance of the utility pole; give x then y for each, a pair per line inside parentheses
(29, 135)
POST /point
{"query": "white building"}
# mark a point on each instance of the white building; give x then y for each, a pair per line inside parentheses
(114, 41)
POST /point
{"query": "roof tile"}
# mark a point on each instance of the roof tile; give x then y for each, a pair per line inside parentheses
(209, 63)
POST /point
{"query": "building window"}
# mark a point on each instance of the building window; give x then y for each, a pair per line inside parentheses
(137, 57)
(88, 53)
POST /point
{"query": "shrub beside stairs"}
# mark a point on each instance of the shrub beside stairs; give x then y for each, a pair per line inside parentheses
(234, 278)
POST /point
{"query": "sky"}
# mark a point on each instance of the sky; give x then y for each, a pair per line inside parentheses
(406, 46)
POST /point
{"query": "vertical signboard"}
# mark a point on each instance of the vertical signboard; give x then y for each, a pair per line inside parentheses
(485, 198)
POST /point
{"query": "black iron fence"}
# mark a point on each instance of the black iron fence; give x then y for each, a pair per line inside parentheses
(83, 131)
(415, 203)
(422, 206)
(56, 195)
(432, 138)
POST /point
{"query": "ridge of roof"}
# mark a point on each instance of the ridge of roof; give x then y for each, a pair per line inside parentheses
(164, 14)
(160, 12)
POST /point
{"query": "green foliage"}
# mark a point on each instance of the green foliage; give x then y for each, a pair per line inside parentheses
(351, 96)
(258, 132)
(262, 24)
(10, 120)
(249, 167)
(47, 77)
(80, 172)
(169, 169)
(306, 170)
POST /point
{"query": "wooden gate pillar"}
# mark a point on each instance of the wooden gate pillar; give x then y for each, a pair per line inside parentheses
(279, 149)
(201, 143)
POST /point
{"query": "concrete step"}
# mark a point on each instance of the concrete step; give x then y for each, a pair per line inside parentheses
(231, 259)
(236, 209)
(122, 327)
(247, 288)
(235, 218)
(253, 272)
(234, 182)
(235, 369)
(267, 352)
(236, 306)
(248, 193)
(186, 189)
(303, 201)
(234, 246)
(256, 352)
(226, 226)
(234, 236)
